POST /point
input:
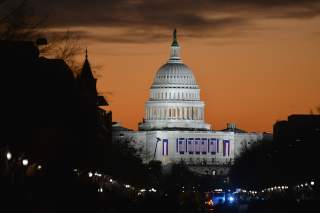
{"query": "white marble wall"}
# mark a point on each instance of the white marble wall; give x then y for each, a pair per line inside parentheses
(146, 141)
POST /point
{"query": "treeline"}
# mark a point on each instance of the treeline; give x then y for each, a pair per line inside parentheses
(289, 161)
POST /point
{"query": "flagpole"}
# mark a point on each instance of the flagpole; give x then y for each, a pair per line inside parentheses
(154, 154)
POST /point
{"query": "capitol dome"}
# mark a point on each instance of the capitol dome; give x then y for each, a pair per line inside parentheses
(174, 101)
(174, 73)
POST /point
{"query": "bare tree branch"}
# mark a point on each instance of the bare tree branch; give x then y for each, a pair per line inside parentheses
(21, 23)
(64, 46)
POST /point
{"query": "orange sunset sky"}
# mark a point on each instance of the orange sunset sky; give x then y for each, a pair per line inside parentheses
(252, 80)
(256, 61)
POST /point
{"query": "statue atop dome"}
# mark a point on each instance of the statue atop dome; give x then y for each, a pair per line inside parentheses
(175, 42)
(175, 49)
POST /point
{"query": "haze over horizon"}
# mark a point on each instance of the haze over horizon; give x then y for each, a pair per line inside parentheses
(255, 61)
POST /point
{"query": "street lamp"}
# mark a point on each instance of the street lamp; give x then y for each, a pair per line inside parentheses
(9, 155)
(155, 149)
(90, 174)
(25, 162)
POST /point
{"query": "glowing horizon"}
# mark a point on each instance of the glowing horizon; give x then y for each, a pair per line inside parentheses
(256, 62)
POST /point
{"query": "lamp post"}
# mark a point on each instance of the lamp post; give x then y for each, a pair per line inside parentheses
(155, 149)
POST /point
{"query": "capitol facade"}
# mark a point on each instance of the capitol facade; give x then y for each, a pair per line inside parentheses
(174, 127)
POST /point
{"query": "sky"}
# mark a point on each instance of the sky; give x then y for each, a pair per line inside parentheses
(256, 61)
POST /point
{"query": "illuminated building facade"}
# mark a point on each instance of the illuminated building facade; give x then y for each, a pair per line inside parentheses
(174, 128)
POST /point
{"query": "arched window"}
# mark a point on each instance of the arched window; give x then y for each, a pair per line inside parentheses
(169, 113)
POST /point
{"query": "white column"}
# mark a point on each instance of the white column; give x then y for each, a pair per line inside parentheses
(147, 112)
(157, 113)
(161, 113)
(202, 113)
(186, 113)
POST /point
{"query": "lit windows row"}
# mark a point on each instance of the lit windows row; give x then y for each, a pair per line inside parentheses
(202, 146)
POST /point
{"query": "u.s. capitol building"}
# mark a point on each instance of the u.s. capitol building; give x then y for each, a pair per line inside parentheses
(174, 129)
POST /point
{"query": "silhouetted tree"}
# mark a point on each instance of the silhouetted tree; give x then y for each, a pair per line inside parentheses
(124, 163)
(21, 23)
(256, 166)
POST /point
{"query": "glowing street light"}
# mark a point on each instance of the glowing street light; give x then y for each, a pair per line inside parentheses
(231, 199)
(9, 155)
(90, 174)
(39, 167)
(312, 183)
(25, 162)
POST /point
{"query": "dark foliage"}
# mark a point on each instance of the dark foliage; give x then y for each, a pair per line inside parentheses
(290, 159)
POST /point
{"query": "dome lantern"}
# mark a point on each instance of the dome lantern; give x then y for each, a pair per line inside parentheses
(175, 50)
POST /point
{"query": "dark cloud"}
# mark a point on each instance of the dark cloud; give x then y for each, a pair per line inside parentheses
(195, 17)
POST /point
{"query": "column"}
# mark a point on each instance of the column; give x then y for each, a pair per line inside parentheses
(185, 113)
